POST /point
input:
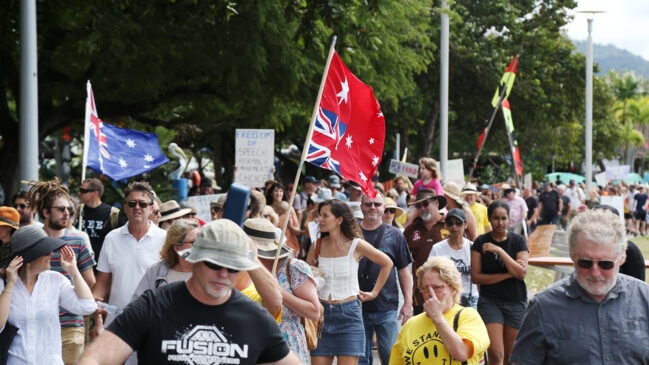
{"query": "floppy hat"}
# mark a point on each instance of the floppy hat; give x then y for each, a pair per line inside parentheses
(219, 202)
(355, 207)
(334, 181)
(452, 190)
(222, 242)
(469, 189)
(31, 242)
(9, 217)
(456, 213)
(425, 194)
(170, 210)
(322, 195)
(263, 232)
(389, 203)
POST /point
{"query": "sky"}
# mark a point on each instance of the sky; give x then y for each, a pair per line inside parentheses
(623, 24)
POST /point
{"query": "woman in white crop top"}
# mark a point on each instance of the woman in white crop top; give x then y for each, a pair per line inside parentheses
(337, 253)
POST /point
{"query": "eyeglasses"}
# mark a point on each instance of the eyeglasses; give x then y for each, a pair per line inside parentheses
(437, 288)
(390, 210)
(369, 204)
(85, 191)
(156, 211)
(216, 267)
(21, 206)
(454, 222)
(604, 264)
(183, 242)
(62, 208)
(424, 204)
(141, 203)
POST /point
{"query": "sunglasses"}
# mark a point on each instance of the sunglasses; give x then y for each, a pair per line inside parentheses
(369, 204)
(85, 191)
(141, 203)
(62, 208)
(21, 206)
(391, 210)
(156, 211)
(454, 222)
(604, 264)
(216, 267)
(424, 204)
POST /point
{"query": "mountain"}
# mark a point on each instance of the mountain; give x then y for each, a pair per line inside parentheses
(609, 57)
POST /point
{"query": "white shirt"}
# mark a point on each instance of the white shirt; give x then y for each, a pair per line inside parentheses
(127, 259)
(576, 195)
(38, 340)
(462, 260)
(340, 275)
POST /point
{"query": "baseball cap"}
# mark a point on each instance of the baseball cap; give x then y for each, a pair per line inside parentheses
(456, 213)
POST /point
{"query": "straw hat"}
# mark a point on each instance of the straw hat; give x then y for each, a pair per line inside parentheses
(470, 189)
(389, 203)
(452, 190)
(263, 233)
(171, 210)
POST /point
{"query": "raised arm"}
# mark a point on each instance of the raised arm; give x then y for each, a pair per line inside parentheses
(364, 249)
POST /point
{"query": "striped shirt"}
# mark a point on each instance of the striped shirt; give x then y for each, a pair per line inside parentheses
(85, 261)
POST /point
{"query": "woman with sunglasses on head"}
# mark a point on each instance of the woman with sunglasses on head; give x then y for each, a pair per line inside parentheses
(499, 265)
(337, 253)
(173, 266)
(458, 248)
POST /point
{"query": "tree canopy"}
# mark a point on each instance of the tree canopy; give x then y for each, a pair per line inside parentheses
(201, 69)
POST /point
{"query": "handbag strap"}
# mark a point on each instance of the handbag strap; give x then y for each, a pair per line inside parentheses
(316, 254)
(456, 320)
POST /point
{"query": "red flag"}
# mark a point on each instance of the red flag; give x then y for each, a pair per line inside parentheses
(349, 128)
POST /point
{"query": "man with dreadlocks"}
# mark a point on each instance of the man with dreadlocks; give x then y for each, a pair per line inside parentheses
(52, 201)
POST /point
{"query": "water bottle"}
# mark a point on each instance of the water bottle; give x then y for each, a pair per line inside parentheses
(112, 309)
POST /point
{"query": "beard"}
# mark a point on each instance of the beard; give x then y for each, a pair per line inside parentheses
(56, 226)
(426, 217)
(596, 287)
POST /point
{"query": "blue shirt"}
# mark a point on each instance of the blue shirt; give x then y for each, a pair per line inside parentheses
(564, 325)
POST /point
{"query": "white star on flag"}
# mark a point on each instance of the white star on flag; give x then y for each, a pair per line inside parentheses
(371, 141)
(122, 163)
(344, 92)
(375, 160)
(148, 158)
(362, 176)
(130, 143)
(349, 141)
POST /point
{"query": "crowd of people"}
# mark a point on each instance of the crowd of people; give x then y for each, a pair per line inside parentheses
(420, 273)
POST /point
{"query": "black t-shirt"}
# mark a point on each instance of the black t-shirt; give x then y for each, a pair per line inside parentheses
(96, 223)
(550, 201)
(512, 289)
(168, 326)
(532, 204)
(394, 245)
(634, 264)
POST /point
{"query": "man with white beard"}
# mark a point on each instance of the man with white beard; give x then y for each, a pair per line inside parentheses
(426, 229)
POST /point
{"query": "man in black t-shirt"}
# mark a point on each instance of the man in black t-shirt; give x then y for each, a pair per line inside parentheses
(97, 217)
(202, 320)
(381, 314)
(550, 205)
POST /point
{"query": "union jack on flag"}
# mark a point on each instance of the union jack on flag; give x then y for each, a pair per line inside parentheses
(348, 113)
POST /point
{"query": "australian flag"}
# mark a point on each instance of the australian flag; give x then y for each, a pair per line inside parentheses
(120, 153)
(349, 129)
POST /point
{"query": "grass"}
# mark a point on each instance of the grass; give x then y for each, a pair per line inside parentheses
(538, 278)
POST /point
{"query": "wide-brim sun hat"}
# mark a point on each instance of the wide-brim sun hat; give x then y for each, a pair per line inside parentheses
(470, 189)
(9, 217)
(264, 234)
(453, 191)
(222, 242)
(425, 194)
(322, 195)
(389, 203)
(355, 207)
(171, 210)
(31, 242)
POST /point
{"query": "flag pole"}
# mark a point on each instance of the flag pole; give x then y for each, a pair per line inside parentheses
(86, 140)
(490, 122)
(305, 149)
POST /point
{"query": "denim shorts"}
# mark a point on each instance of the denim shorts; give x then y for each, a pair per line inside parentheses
(495, 311)
(343, 333)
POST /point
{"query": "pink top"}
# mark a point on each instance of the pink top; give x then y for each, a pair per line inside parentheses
(433, 184)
